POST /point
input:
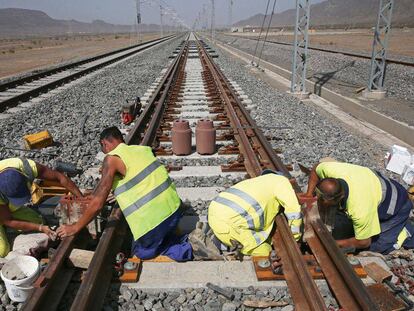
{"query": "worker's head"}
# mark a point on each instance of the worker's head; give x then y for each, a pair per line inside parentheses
(330, 194)
(110, 138)
(14, 187)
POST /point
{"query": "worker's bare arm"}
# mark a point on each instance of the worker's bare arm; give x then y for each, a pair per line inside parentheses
(352, 242)
(6, 219)
(48, 174)
(98, 198)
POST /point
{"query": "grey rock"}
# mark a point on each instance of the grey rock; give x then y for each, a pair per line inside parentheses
(148, 304)
(181, 299)
(212, 306)
(229, 306)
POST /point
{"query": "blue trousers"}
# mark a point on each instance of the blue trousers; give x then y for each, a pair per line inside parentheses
(162, 240)
(391, 228)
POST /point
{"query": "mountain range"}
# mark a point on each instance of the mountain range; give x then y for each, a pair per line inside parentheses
(347, 13)
(23, 22)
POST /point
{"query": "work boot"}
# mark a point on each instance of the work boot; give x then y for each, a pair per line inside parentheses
(202, 244)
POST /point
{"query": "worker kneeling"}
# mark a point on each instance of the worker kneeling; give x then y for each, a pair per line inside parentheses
(366, 209)
(16, 178)
(146, 195)
(244, 214)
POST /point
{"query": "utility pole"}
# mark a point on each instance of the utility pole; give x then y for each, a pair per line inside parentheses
(138, 2)
(213, 17)
(375, 88)
(161, 21)
(205, 19)
(230, 14)
(300, 49)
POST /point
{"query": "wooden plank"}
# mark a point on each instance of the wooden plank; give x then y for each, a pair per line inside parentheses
(314, 269)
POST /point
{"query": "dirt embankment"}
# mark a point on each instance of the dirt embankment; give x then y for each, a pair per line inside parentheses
(21, 55)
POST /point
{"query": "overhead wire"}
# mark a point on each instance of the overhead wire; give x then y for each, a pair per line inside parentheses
(267, 32)
(261, 30)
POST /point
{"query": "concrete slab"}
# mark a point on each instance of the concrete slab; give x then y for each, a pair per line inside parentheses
(174, 275)
(199, 193)
(219, 143)
(203, 171)
(195, 155)
(188, 114)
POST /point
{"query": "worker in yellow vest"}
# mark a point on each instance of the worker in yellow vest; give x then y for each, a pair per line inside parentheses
(16, 178)
(146, 195)
(365, 209)
(244, 214)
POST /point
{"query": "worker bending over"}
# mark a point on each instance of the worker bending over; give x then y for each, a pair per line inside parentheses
(377, 207)
(16, 178)
(245, 213)
(145, 194)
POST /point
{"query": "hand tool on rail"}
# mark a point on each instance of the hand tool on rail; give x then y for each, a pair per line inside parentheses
(380, 275)
(229, 295)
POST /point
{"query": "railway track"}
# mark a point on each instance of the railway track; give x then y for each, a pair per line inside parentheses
(343, 52)
(193, 88)
(14, 92)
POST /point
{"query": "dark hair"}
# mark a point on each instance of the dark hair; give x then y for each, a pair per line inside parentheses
(111, 133)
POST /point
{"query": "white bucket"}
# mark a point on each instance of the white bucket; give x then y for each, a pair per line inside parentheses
(19, 290)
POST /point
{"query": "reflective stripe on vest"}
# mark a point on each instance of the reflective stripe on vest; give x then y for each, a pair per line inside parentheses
(27, 170)
(251, 201)
(243, 213)
(293, 216)
(394, 193)
(138, 178)
(147, 198)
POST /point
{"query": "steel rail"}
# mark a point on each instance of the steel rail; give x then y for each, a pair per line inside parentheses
(335, 266)
(350, 293)
(134, 136)
(15, 100)
(303, 289)
(47, 72)
(93, 289)
(343, 52)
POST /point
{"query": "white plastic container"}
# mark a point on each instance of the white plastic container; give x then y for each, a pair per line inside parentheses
(19, 290)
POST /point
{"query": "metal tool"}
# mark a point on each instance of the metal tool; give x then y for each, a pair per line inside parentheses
(68, 168)
(229, 295)
(274, 258)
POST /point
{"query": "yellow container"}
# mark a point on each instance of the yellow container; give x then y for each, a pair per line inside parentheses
(38, 140)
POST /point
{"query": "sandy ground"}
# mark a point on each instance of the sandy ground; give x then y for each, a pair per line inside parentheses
(21, 55)
(401, 41)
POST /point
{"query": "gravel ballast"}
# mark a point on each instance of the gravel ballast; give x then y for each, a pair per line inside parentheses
(341, 73)
(98, 100)
(306, 135)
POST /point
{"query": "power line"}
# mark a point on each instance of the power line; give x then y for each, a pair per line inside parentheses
(261, 30)
(267, 32)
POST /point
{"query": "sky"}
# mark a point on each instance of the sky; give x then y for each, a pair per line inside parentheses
(123, 11)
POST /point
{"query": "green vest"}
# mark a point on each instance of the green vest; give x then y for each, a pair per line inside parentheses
(146, 194)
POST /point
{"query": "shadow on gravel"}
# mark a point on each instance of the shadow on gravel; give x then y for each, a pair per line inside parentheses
(322, 78)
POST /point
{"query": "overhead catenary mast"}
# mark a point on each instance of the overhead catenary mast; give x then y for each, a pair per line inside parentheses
(230, 21)
(161, 21)
(138, 7)
(213, 17)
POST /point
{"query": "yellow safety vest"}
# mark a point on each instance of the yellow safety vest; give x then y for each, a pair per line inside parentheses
(146, 194)
(246, 211)
(365, 194)
(27, 167)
